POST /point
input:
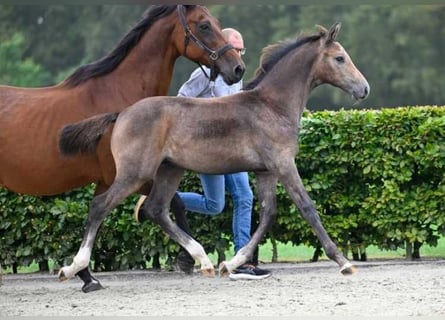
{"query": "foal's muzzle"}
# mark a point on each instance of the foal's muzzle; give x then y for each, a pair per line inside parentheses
(362, 93)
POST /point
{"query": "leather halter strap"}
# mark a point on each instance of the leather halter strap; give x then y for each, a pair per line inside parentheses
(213, 54)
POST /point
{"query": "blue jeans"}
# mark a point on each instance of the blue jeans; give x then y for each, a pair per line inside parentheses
(212, 202)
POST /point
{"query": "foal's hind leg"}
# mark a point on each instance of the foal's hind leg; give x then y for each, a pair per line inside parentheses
(100, 206)
(165, 185)
(266, 185)
(185, 261)
(291, 180)
(90, 282)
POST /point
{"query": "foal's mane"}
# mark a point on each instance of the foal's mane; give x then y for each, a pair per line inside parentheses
(273, 53)
(108, 63)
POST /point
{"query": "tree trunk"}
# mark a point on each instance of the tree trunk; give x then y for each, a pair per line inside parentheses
(156, 263)
(43, 266)
(221, 256)
(274, 249)
(416, 251)
(317, 254)
(409, 250)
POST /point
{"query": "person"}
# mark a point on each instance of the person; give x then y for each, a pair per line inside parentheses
(212, 202)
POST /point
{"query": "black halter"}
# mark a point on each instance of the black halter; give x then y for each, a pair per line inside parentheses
(213, 54)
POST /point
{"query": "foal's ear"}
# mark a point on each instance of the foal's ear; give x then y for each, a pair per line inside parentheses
(322, 30)
(333, 31)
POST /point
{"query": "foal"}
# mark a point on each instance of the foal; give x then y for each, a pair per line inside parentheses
(157, 138)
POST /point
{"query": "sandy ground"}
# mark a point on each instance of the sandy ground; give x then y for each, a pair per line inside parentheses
(380, 288)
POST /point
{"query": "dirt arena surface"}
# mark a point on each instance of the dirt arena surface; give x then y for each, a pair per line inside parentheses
(380, 288)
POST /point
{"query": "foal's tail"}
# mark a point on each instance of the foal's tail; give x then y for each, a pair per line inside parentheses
(83, 137)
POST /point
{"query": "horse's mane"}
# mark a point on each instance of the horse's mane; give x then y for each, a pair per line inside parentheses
(108, 63)
(273, 53)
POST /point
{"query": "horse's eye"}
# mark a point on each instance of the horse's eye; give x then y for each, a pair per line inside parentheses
(204, 27)
(340, 59)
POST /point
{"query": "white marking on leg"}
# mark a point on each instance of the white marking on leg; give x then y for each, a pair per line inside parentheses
(82, 258)
(347, 265)
(198, 253)
(80, 261)
(236, 261)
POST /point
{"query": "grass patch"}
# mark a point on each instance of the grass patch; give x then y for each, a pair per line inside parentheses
(289, 252)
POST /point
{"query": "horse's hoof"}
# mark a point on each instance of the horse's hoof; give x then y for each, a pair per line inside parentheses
(209, 273)
(348, 269)
(92, 286)
(185, 261)
(223, 271)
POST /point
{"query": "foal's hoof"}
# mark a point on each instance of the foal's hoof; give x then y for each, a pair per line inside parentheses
(62, 276)
(209, 273)
(92, 286)
(348, 269)
(223, 271)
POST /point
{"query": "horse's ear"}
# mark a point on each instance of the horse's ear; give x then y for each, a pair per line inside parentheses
(322, 30)
(333, 31)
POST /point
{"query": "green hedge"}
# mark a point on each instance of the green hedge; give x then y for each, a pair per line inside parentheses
(377, 177)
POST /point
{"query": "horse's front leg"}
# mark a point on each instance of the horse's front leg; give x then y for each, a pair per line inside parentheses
(90, 283)
(266, 186)
(157, 205)
(291, 180)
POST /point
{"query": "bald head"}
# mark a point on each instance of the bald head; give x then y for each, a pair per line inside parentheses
(234, 38)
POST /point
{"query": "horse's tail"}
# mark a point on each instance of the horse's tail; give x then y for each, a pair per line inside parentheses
(83, 137)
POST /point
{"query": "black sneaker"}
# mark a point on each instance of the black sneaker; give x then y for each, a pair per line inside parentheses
(249, 272)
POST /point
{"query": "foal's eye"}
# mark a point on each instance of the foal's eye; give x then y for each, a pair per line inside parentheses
(340, 59)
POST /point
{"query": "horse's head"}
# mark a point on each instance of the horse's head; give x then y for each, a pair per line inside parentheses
(198, 37)
(336, 67)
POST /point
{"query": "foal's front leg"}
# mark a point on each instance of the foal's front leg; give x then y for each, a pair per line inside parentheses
(266, 185)
(291, 180)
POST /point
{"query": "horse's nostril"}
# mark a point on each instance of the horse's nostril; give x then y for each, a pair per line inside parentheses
(239, 71)
(366, 91)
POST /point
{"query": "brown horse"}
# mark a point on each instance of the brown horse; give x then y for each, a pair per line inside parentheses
(154, 140)
(140, 66)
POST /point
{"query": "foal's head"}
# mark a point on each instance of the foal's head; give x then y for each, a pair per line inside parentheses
(336, 67)
(320, 55)
(198, 36)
